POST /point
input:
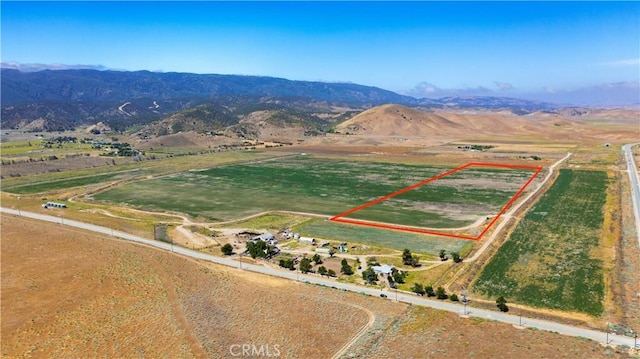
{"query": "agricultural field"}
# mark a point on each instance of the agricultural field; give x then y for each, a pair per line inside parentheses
(551, 259)
(71, 172)
(328, 187)
(419, 243)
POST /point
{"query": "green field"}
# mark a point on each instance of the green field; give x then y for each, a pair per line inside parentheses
(66, 183)
(42, 183)
(549, 260)
(322, 186)
(381, 237)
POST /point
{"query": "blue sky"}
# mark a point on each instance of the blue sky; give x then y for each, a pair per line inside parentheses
(418, 48)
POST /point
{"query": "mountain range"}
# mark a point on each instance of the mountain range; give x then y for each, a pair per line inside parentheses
(65, 99)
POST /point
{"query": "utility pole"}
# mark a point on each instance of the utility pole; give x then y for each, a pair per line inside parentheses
(607, 332)
(465, 300)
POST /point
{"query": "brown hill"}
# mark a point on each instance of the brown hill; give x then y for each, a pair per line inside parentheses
(443, 126)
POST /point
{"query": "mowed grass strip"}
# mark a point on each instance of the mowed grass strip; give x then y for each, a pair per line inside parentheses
(548, 260)
(381, 237)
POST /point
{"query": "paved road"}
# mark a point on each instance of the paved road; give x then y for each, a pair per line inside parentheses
(405, 297)
(632, 168)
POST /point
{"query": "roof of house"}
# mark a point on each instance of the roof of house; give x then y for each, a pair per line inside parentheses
(385, 268)
(264, 237)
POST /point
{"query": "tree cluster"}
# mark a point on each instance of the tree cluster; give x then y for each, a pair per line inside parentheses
(287, 263)
(305, 265)
(409, 259)
(322, 270)
(346, 268)
(370, 276)
(260, 249)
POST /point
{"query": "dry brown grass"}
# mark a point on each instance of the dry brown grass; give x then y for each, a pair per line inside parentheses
(71, 293)
(443, 126)
(75, 294)
(424, 333)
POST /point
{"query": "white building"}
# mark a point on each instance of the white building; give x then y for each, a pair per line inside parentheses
(307, 240)
(383, 269)
(266, 237)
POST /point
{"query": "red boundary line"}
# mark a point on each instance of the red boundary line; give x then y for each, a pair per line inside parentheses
(339, 217)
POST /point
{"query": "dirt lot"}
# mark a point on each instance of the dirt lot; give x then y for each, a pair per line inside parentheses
(75, 294)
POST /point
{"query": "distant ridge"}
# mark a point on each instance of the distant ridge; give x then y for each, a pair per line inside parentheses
(88, 85)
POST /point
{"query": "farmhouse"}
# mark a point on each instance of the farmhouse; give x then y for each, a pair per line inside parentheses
(385, 269)
(266, 237)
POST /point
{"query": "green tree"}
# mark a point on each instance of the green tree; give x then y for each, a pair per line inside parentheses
(322, 270)
(252, 249)
(392, 283)
(443, 255)
(456, 257)
(441, 294)
(398, 277)
(346, 268)
(332, 252)
(287, 263)
(418, 289)
(369, 275)
(501, 303)
(331, 273)
(415, 261)
(317, 258)
(430, 292)
(454, 297)
(305, 265)
(227, 249)
(406, 257)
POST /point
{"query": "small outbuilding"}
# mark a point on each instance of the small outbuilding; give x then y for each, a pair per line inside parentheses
(307, 240)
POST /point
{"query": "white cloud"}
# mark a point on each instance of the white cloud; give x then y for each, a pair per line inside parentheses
(617, 63)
